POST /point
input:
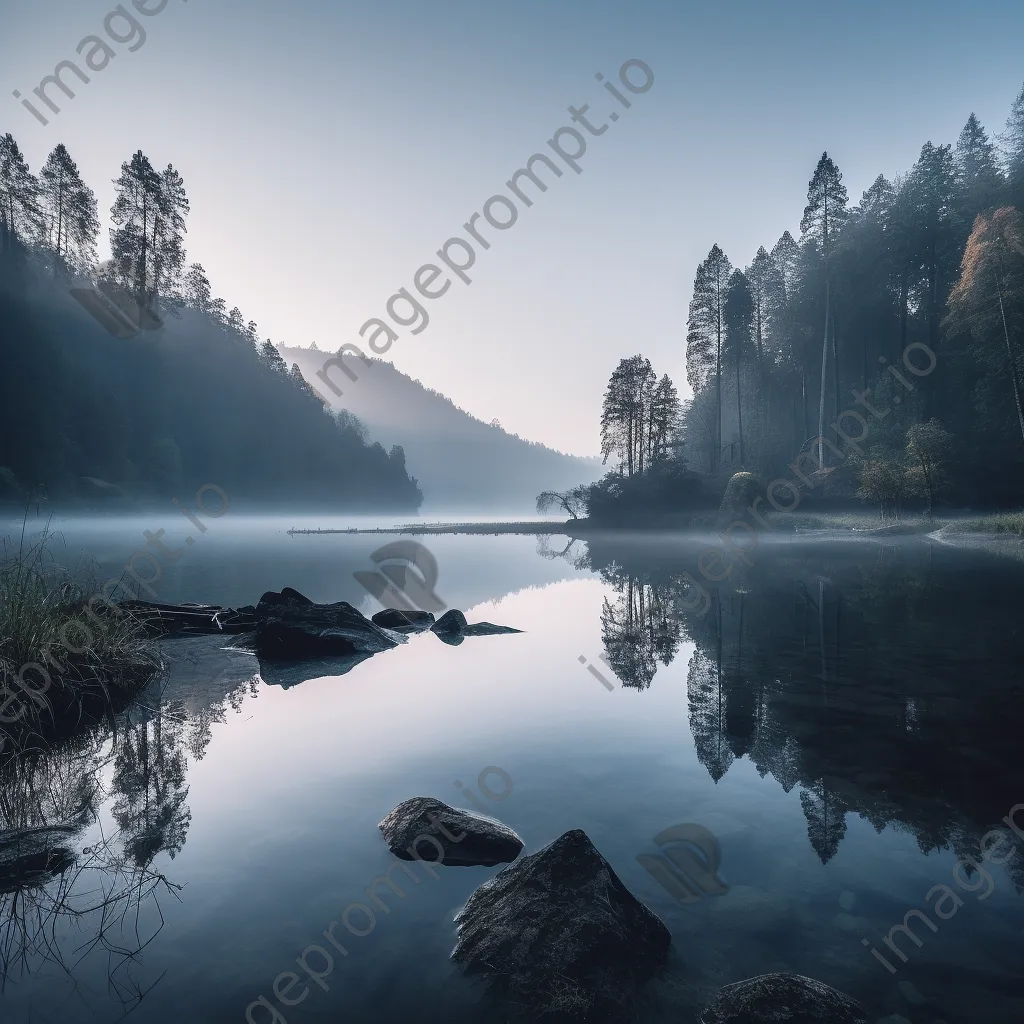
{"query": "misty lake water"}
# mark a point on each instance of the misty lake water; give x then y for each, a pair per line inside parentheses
(843, 717)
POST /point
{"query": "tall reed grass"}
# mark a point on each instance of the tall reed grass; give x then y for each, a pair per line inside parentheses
(61, 643)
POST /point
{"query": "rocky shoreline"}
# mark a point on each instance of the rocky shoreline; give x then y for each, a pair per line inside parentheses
(293, 636)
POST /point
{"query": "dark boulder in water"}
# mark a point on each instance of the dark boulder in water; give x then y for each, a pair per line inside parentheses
(453, 621)
(403, 621)
(452, 628)
(465, 838)
(558, 931)
(792, 998)
(290, 627)
(287, 598)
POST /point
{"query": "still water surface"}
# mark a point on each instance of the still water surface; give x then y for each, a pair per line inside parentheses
(843, 715)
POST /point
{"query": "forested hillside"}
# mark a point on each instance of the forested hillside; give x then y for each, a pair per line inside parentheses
(903, 311)
(460, 461)
(170, 391)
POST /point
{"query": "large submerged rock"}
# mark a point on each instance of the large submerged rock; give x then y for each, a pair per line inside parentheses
(558, 931)
(403, 621)
(290, 627)
(774, 998)
(465, 838)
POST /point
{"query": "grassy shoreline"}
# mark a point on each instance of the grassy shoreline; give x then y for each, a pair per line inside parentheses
(66, 651)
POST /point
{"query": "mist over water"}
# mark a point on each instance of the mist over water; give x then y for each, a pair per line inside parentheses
(839, 718)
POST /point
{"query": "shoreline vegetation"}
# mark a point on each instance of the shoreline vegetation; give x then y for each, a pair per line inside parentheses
(68, 655)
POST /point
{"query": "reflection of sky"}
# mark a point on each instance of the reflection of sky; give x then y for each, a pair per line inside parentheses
(330, 149)
(286, 801)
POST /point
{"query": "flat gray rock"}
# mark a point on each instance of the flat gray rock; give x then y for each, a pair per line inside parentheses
(487, 629)
(778, 998)
(558, 930)
(466, 838)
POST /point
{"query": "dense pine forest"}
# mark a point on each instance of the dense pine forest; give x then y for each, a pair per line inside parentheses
(172, 392)
(930, 261)
(899, 318)
(883, 349)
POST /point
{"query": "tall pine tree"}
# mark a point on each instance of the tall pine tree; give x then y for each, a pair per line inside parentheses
(933, 194)
(978, 179)
(1013, 149)
(823, 219)
(664, 421)
(19, 193)
(147, 240)
(739, 323)
(168, 243)
(705, 336)
(69, 207)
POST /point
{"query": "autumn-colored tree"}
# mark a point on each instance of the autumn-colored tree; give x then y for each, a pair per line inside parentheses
(988, 299)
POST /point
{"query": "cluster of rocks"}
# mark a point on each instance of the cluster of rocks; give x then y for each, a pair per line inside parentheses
(452, 627)
(287, 628)
(557, 931)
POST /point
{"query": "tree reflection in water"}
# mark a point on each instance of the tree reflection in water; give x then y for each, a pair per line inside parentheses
(79, 893)
(880, 679)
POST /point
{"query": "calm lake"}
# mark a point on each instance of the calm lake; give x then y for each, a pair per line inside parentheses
(842, 715)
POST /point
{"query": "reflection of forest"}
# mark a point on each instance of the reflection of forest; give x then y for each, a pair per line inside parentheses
(73, 884)
(881, 680)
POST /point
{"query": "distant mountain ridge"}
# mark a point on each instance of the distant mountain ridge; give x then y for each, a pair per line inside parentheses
(458, 460)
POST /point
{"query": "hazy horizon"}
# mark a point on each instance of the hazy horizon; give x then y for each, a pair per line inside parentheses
(392, 125)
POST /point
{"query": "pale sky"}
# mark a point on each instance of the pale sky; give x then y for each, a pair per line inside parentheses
(329, 149)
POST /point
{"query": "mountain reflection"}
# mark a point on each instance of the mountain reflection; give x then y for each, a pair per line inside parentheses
(880, 679)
